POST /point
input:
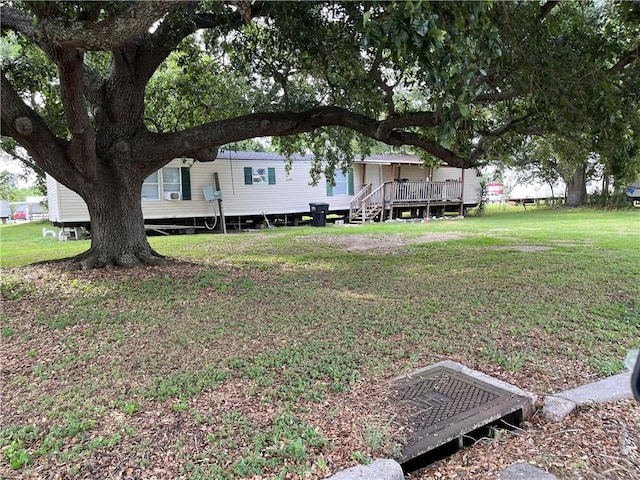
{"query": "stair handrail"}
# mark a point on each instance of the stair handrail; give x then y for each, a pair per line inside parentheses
(355, 201)
(376, 196)
(375, 199)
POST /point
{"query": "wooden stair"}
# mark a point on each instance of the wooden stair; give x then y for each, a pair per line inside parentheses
(369, 213)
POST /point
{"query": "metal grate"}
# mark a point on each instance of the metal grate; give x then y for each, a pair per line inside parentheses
(443, 397)
(449, 404)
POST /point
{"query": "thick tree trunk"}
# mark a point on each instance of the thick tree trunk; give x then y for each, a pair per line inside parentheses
(118, 236)
(577, 187)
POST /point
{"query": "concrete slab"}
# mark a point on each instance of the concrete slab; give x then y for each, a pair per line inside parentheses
(556, 409)
(616, 387)
(525, 471)
(378, 470)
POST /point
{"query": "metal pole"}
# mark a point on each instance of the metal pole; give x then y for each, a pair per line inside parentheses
(223, 224)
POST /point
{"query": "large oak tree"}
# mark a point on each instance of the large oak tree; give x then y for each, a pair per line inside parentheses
(102, 94)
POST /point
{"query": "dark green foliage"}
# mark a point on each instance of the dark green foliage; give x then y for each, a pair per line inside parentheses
(617, 200)
(482, 195)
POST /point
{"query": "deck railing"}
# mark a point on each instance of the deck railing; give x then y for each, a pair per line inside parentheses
(405, 192)
(423, 192)
(448, 191)
(368, 202)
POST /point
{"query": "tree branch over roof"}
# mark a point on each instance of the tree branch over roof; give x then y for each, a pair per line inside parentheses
(405, 120)
(198, 139)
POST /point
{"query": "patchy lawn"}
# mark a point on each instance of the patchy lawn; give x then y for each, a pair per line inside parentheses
(270, 354)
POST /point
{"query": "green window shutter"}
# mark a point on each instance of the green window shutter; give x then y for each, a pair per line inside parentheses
(329, 189)
(350, 181)
(248, 176)
(185, 173)
(272, 176)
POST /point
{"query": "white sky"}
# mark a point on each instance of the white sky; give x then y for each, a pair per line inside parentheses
(15, 166)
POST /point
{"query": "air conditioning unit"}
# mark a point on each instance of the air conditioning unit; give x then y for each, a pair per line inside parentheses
(172, 195)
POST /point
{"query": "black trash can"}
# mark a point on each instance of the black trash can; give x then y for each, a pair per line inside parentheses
(319, 214)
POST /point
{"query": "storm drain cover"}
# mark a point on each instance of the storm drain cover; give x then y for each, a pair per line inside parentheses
(447, 404)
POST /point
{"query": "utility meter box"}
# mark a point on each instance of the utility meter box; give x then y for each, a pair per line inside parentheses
(211, 194)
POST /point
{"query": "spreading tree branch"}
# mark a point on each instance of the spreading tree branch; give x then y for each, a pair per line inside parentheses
(490, 135)
(626, 59)
(173, 29)
(27, 128)
(546, 8)
(13, 19)
(72, 75)
(108, 34)
(194, 141)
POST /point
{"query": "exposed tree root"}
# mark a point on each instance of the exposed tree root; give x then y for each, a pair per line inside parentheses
(93, 259)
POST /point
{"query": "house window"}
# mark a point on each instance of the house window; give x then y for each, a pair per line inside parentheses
(171, 180)
(259, 175)
(340, 187)
(343, 184)
(150, 187)
(175, 183)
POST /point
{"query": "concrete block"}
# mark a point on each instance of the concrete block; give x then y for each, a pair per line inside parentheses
(378, 470)
(556, 408)
(611, 389)
(525, 471)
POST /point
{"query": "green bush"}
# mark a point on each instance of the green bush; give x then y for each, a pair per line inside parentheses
(609, 201)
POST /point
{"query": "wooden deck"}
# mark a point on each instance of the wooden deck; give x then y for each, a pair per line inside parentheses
(419, 197)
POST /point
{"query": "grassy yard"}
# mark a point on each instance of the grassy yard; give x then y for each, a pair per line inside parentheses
(269, 354)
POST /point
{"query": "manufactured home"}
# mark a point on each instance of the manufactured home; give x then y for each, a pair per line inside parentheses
(253, 188)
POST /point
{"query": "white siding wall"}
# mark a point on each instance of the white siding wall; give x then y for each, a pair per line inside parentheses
(471, 181)
(52, 198)
(373, 174)
(387, 173)
(413, 173)
(290, 194)
(65, 205)
(471, 192)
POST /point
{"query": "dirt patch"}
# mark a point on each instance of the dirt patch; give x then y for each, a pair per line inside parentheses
(379, 243)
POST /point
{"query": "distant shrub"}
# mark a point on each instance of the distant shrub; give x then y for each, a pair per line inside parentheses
(609, 201)
(482, 193)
